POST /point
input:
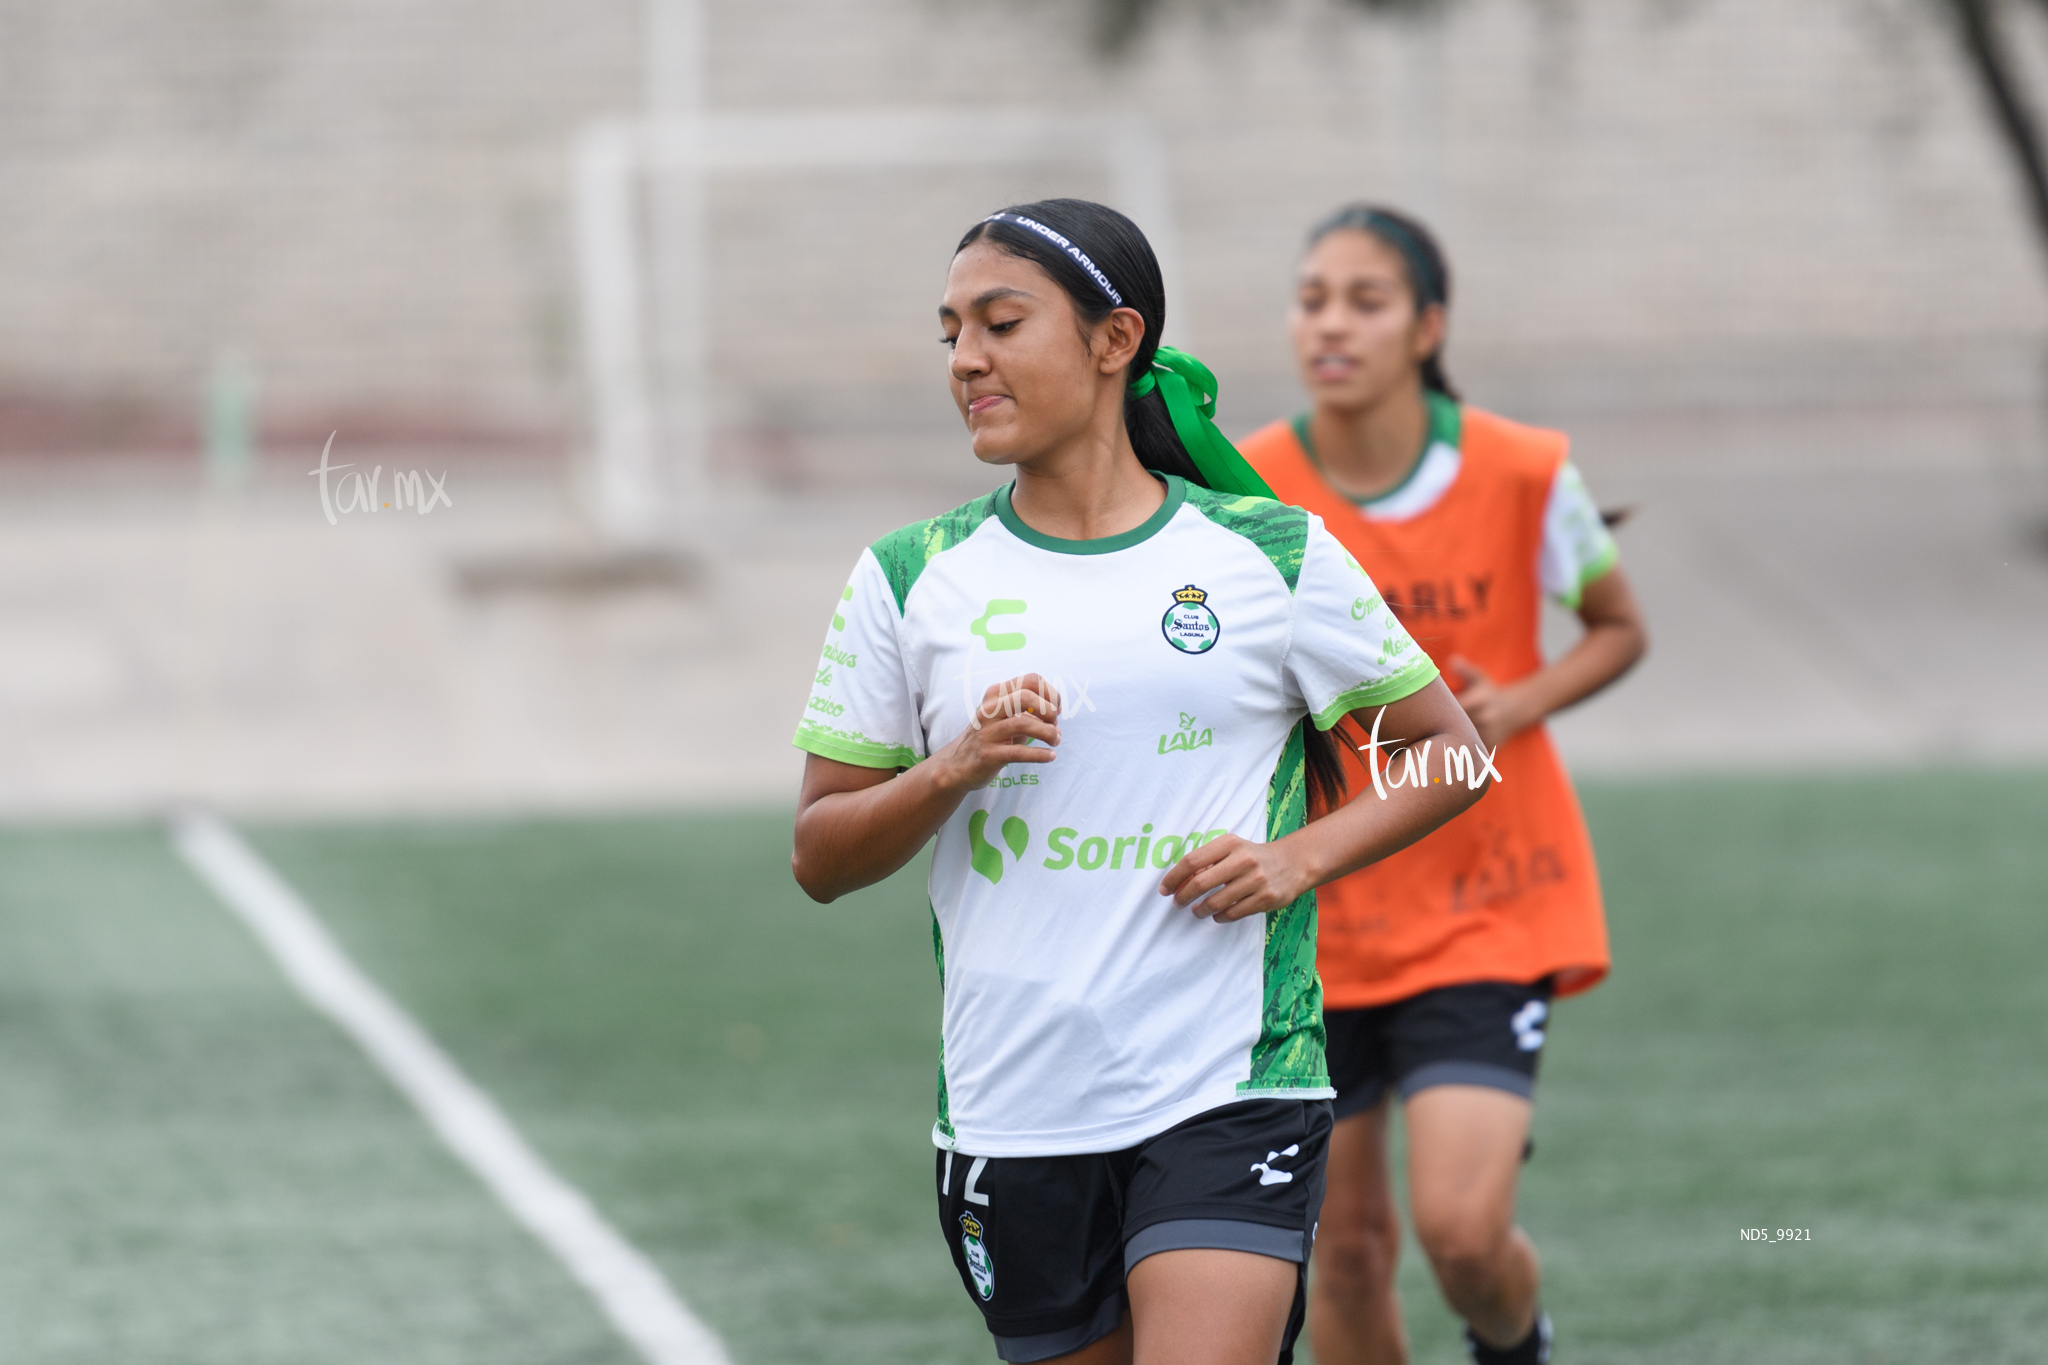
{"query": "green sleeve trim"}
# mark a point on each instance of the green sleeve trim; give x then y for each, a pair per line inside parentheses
(1279, 530)
(1602, 562)
(1407, 682)
(842, 747)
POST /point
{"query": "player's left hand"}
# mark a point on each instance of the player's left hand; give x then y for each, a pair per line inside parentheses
(1498, 712)
(1237, 877)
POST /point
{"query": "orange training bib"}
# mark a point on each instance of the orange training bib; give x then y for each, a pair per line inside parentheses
(1509, 890)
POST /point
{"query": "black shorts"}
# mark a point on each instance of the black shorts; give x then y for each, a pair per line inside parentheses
(1477, 1033)
(1042, 1244)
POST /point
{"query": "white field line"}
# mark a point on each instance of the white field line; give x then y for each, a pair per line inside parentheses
(633, 1294)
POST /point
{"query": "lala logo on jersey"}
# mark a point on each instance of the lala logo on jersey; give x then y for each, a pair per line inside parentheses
(979, 1264)
(1187, 738)
(1189, 625)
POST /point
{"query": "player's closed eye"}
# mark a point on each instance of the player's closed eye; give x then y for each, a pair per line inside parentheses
(999, 328)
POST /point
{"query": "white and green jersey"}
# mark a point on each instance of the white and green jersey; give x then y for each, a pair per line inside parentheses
(1085, 1012)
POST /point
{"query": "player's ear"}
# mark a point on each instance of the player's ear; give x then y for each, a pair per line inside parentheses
(1429, 331)
(1118, 337)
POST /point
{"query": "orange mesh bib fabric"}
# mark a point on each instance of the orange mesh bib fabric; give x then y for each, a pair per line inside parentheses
(1508, 891)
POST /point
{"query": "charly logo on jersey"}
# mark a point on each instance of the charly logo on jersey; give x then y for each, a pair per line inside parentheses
(984, 856)
(979, 1263)
(1187, 737)
(1528, 1025)
(998, 641)
(1190, 625)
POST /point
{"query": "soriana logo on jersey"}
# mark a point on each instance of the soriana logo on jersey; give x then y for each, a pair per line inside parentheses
(1189, 625)
(1084, 852)
(1122, 852)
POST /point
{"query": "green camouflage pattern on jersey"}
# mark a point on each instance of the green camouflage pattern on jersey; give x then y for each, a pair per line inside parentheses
(939, 956)
(1280, 531)
(904, 552)
(1289, 1053)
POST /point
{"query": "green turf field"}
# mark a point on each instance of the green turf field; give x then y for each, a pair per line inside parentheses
(1828, 1012)
(194, 1170)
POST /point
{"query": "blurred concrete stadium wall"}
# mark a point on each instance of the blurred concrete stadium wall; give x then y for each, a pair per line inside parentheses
(1723, 202)
(1765, 262)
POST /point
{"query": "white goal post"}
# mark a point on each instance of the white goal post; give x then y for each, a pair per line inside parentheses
(646, 482)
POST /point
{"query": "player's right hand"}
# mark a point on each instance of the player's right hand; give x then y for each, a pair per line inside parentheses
(1014, 723)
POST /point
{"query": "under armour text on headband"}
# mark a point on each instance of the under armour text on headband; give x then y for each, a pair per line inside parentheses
(1057, 239)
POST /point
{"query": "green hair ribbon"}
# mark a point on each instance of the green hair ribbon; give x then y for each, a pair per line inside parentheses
(1189, 390)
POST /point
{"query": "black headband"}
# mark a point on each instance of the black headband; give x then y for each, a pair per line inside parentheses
(1080, 256)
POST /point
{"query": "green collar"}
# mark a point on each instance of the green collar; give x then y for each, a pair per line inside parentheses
(1446, 424)
(1176, 494)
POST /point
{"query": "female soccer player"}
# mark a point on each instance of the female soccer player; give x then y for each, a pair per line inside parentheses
(1439, 963)
(1105, 688)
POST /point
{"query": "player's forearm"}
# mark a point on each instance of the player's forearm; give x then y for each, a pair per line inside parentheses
(1607, 650)
(1366, 829)
(851, 839)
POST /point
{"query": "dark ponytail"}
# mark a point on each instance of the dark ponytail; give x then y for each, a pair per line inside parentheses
(1429, 274)
(1117, 249)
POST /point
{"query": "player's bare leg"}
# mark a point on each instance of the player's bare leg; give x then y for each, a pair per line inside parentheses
(1199, 1308)
(1464, 1162)
(1354, 1315)
(1210, 1307)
